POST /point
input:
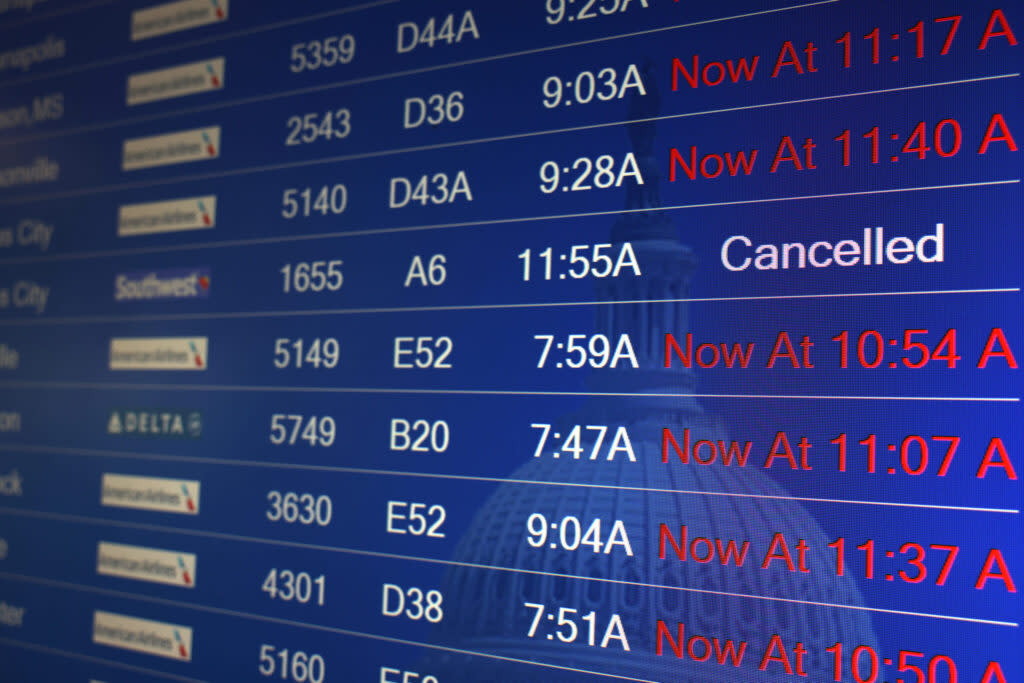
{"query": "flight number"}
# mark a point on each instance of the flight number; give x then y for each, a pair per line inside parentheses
(288, 586)
(299, 508)
(308, 128)
(323, 53)
(296, 666)
(313, 276)
(300, 353)
(328, 200)
(315, 431)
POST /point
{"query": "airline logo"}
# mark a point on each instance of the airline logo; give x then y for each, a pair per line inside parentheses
(13, 5)
(177, 215)
(198, 144)
(10, 421)
(158, 353)
(150, 493)
(11, 615)
(171, 17)
(142, 635)
(172, 423)
(10, 359)
(176, 81)
(146, 564)
(178, 283)
(10, 484)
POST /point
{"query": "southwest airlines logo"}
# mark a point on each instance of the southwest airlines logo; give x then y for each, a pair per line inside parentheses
(146, 564)
(178, 283)
(150, 493)
(158, 353)
(142, 635)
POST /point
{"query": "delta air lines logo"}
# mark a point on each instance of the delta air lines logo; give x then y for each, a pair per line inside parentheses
(178, 424)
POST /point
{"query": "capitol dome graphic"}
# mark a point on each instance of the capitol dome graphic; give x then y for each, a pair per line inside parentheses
(487, 613)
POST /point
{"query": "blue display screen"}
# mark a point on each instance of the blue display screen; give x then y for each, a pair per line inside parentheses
(475, 341)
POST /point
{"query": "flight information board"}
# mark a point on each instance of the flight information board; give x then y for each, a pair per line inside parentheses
(437, 341)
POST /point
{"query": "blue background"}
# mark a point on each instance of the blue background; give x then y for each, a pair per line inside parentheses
(488, 480)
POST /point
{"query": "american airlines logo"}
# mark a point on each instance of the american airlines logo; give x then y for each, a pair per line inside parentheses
(146, 564)
(158, 353)
(172, 17)
(179, 496)
(176, 81)
(185, 146)
(142, 635)
(167, 423)
(175, 215)
(177, 283)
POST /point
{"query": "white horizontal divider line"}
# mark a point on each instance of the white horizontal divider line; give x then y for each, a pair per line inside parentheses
(88, 319)
(83, 588)
(492, 221)
(100, 453)
(474, 565)
(128, 386)
(24, 645)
